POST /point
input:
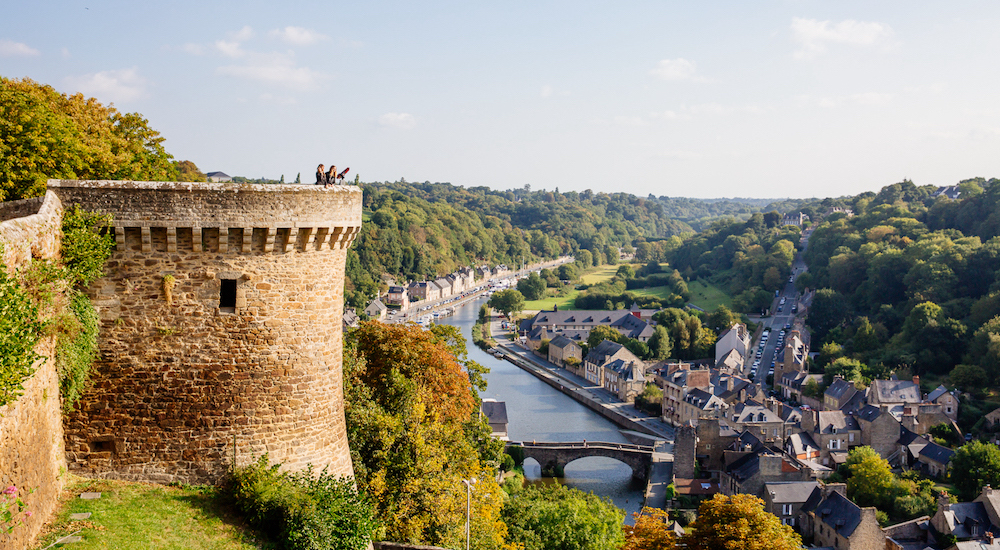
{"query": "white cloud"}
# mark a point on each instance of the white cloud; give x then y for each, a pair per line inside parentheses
(275, 69)
(242, 35)
(123, 85)
(676, 69)
(298, 35)
(229, 49)
(813, 35)
(9, 48)
(402, 121)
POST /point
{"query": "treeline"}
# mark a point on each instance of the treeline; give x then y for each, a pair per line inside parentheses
(911, 282)
(699, 214)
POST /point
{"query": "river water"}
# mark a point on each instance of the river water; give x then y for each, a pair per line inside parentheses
(536, 411)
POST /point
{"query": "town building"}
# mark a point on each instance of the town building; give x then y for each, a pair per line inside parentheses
(735, 338)
(399, 297)
(376, 310)
(603, 354)
(829, 519)
(785, 499)
(566, 353)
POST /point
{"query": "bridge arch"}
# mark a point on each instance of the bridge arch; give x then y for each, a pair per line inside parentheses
(554, 457)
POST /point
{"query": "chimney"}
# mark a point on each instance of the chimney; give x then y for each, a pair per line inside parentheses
(943, 502)
(828, 488)
(916, 380)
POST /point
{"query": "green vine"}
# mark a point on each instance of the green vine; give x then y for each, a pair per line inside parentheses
(20, 330)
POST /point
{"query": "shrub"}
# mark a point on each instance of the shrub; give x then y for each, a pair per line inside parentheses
(76, 349)
(86, 244)
(303, 510)
(20, 330)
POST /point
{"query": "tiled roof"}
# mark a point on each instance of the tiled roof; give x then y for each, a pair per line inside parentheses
(839, 388)
(496, 411)
(790, 491)
(937, 453)
(835, 421)
(839, 514)
(938, 392)
(896, 391)
(802, 443)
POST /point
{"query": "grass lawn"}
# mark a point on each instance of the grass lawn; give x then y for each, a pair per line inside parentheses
(707, 296)
(661, 292)
(591, 276)
(140, 516)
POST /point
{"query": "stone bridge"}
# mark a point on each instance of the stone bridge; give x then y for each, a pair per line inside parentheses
(555, 456)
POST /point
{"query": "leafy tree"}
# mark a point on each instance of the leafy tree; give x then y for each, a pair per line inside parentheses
(510, 302)
(188, 171)
(556, 517)
(722, 318)
(970, 378)
(650, 531)
(973, 466)
(532, 287)
(584, 258)
(829, 309)
(871, 478)
(601, 333)
(738, 522)
(45, 134)
(659, 343)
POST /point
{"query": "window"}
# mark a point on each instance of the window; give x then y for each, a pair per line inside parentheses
(835, 444)
(786, 509)
(850, 437)
(227, 296)
(948, 409)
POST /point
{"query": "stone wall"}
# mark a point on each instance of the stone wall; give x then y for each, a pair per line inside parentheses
(242, 356)
(31, 432)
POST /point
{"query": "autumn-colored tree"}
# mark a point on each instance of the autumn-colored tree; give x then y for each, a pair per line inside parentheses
(414, 437)
(651, 531)
(188, 171)
(738, 522)
(410, 352)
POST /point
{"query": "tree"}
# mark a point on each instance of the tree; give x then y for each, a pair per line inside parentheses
(871, 478)
(188, 171)
(829, 309)
(509, 301)
(973, 466)
(659, 343)
(651, 531)
(556, 517)
(45, 134)
(738, 522)
(532, 287)
(601, 333)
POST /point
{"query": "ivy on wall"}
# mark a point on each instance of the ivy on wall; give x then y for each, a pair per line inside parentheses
(20, 330)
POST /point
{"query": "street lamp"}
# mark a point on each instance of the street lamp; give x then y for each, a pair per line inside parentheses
(468, 507)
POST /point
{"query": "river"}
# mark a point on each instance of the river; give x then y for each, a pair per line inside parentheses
(536, 411)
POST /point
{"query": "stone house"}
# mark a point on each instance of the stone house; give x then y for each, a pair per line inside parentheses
(880, 431)
(445, 285)
(918, 452)
(801, 446)
(351, 319)
(676, 379)
(969, 521)
(993, 420)
(889, 394)
(735, 338)
(731, 362)
(833, 432)
(758, 420)
(699, 404)
(483, 272)
(424, 290)
(562, 348)
(838, 394)
(748, 466)
(583, 321)
(217, 177)
(793, 357)
(624, 378)
(496, 413)
(457, 283)
(791, 384)
(947, 400)
(604, 353)
(398, 296)
(829, 519)
(785, 499)
(376, 310)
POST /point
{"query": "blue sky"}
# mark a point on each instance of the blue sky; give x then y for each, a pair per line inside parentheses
(697, 99)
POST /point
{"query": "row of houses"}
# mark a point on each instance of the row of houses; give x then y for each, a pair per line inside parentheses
(453, 284)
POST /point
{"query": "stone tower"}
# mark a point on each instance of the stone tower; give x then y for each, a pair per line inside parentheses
(221, 331)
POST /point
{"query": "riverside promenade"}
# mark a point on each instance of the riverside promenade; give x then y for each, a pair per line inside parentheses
(638, 426)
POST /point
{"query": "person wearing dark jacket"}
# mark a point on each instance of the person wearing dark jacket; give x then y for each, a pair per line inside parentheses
(331, 176)
(320, 175)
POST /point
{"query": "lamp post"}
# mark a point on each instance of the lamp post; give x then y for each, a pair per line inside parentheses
(468, 507)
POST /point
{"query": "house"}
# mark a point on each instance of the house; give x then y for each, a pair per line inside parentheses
(625, 378)
(749, 464)
(581, 322)
(791, 384)
(562, 349)
(735, 338)
(699, 404)
(496, 412)
(604, 353)
(758, 420)
(993, 420)
(676, 379)
(833, 432)
(731, 363)
(801, 446)
(797, 219)
(376, 310)
(838, 394)
(950, 191)
(424, 290)
(793, 356)
(350, 319)
(969, 521)
(785, 499)
(893, 394)
(918, 452)
(398, 296)
(880, 431)
(829, 519)
(947, 400)
(218, 177)
(445, 285)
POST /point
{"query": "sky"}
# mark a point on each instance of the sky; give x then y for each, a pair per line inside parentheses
(709, 99)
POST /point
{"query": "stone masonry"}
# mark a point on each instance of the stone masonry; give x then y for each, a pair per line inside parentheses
(220, 329)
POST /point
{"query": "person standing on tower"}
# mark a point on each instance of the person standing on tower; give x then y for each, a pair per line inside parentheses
(320, 175)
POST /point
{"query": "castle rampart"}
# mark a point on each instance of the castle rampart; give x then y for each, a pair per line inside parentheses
(221, 329)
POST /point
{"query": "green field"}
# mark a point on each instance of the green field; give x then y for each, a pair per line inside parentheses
(707, 296)
(591, 276)
(661, 292)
